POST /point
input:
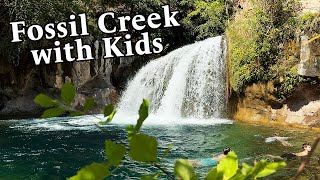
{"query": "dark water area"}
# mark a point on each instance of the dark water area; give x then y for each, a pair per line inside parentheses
(57, 148)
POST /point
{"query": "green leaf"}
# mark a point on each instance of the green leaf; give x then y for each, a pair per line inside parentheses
(53, 112)
(114, 152)
(150, 176)
(143, 113)
(68, 92)
(45, 101)
(167, 151)
(131, 131)
(258, 167)
(213, 174)
(183, 169)
(76, 113)
(228, 166)
(238, 176)
(270, 168)
(88, 105)
(108, 110)
(94, 171)
(246, 169)
(111, 116)
(143, 148)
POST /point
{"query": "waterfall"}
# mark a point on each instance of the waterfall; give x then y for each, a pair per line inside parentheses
(188, 82)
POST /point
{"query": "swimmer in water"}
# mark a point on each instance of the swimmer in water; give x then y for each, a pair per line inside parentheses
(210, 161)
(277, 137)
(306, 149)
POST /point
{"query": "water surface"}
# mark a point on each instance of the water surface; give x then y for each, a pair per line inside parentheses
(58, 147)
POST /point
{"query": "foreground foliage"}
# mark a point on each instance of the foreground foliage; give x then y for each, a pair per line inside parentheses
(143, 148)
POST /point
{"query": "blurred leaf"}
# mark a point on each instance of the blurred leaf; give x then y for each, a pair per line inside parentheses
(150, 176)
(213, 174)
(114, 152)
(183, 169)
(228, 166)
(131, 131)
(68, 92)
(45, 101)
(270, 168)
(94, 171)
(76, 113)
(246, 169)
(167, 151)
(111, 116)
(143, 113)
(53, 112)
(238, 176)
(143, 148)
(88, 105)
(108, 110)
(258, 167)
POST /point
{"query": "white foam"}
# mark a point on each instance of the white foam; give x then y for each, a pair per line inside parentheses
(131, 118)
(272, 139)
(89, 123)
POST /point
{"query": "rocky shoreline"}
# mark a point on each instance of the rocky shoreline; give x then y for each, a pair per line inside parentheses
(302, 108)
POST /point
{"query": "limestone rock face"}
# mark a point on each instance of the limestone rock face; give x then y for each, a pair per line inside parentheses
(309, 58)
(100, 78)
(310, 6)
(259, 105)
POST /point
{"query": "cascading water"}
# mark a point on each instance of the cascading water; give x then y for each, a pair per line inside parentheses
(187, 86)
(188, 82)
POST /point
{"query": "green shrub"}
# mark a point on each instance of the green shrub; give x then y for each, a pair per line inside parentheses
(262, 46)
(208, 18)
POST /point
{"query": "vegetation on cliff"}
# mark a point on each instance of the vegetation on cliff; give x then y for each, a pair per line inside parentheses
(256, 39)
(263, 45)
(208, 18)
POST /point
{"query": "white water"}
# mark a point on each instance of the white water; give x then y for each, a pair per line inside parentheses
(187, 83)
(185, 87)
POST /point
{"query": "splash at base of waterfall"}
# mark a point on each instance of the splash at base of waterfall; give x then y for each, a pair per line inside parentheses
(90, 123)
(187, 83)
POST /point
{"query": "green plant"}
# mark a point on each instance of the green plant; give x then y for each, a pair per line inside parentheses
(143, 148)
(208, 18)
(63, 106)
(262, 46)
(228, 169)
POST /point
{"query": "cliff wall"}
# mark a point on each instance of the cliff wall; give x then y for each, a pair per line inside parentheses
(260, 102)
